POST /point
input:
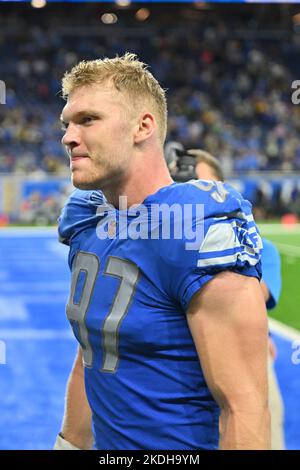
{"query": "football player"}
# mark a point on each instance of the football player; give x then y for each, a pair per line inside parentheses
(165, 299)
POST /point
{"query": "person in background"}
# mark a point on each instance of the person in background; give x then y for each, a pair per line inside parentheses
(207, 167)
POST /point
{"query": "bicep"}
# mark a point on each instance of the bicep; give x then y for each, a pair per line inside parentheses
(228, 322)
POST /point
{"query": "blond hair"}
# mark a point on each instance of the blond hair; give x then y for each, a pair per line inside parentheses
(128, 75)
(201, 156)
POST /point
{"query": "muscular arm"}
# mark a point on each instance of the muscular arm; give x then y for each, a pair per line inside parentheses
(228, 322)
(77, 420)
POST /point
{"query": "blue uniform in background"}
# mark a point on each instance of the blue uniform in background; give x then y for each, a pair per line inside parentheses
(270, 261)
(271, 275)
(128, 303)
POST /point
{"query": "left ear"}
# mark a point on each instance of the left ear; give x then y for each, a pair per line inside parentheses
(145, 127)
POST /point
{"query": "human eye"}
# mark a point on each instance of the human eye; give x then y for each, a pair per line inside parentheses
(86, 120)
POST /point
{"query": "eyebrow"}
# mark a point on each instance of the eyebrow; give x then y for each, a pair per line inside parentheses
(80, 114)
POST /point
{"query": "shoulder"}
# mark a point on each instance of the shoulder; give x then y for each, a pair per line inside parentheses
(211, 203)
(213, 232)
(79, 212)
(216, 196)
(218, 226)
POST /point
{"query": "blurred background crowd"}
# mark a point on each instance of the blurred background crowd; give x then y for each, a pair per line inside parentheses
(228, 72)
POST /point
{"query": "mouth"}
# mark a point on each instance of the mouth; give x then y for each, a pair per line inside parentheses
(75, 158)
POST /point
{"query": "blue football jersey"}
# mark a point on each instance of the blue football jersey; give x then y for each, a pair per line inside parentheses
(134, 273)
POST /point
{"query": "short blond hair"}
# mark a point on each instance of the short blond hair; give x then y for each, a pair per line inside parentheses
(127, 74)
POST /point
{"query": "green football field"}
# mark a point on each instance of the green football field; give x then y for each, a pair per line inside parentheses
(288, 244)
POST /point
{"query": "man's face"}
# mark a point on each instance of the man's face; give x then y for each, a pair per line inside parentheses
(99, 135)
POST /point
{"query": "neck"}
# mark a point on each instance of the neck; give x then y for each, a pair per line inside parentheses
(146, 177)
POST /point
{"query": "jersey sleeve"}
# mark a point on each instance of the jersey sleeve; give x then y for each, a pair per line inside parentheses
(271, 272)
(226, 239)
(79, 213)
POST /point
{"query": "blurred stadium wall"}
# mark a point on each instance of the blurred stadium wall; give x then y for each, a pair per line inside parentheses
(29, 200)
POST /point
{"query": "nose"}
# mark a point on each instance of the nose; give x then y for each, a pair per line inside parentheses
(71, 137)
